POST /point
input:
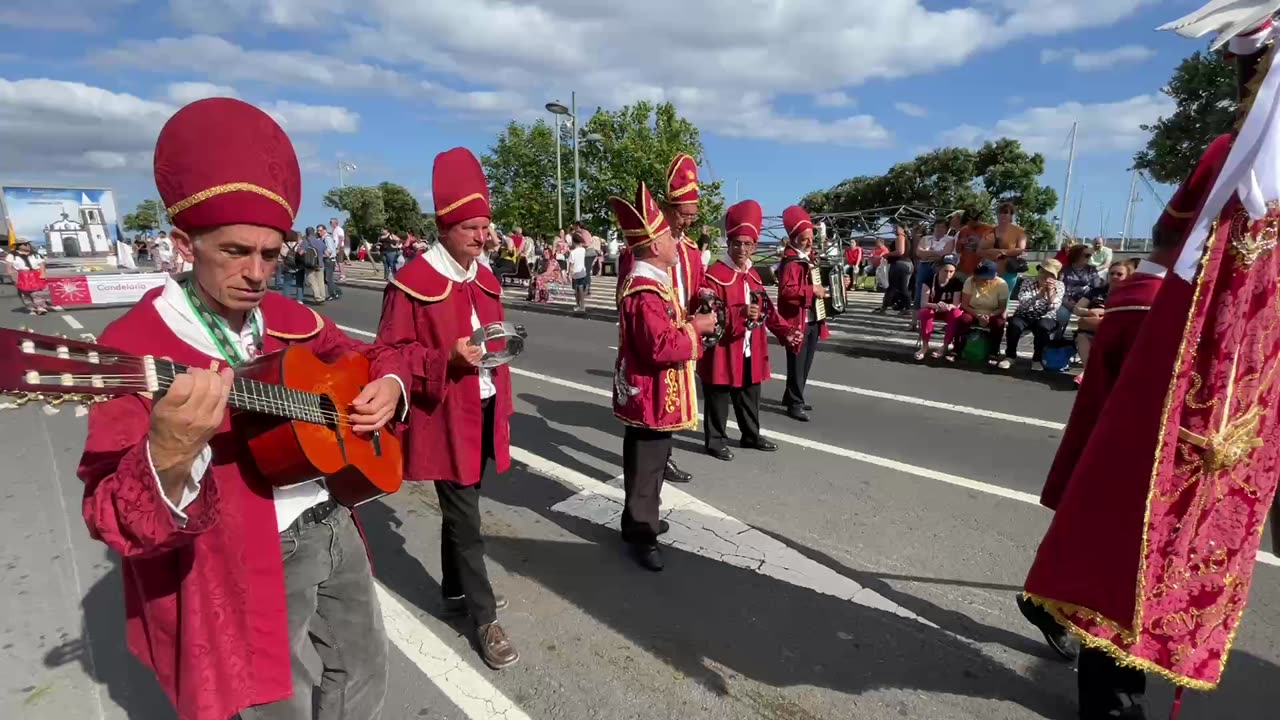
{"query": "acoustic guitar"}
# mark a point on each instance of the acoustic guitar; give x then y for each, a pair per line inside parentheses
(289, 406)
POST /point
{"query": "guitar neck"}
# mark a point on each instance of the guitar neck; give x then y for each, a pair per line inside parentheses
(264, 398)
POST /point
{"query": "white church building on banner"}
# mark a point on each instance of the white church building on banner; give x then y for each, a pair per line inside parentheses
(85, 236)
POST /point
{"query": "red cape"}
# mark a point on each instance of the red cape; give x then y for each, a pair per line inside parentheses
(1127, 308)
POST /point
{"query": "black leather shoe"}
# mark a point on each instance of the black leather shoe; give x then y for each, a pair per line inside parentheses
(808, 407)
(674, 474)
(796, 413)
(1054, 634)
(721, 453)
(648, 557)
(663, 527)
(761, 444)
(458, 606)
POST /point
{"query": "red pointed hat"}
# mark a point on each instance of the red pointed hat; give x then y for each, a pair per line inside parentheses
(744, 220)
(642, 222)
(222, 161)
(459, 187)
(796, 220)
(682, 181)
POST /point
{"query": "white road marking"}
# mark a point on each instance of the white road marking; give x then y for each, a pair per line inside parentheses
(699, 528)
(910, 400)
(926, 473)
(74, 323)
(457, 679)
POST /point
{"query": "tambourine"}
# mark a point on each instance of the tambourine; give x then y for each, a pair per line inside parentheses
(513, 335)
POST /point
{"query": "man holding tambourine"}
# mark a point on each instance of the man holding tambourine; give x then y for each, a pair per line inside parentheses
(443, 312)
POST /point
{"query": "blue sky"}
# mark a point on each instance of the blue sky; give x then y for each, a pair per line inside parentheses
(791, 95)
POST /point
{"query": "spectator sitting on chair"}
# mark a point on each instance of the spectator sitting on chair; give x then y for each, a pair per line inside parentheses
(1038, 304)
(540, 288)
(1090, 309)
(1079, 277)
(984, 302)
(942, 302)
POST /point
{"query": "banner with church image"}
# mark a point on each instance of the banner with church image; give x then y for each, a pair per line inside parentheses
(62, 221)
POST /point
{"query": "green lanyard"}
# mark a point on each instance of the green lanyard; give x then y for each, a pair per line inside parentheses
(227, 342)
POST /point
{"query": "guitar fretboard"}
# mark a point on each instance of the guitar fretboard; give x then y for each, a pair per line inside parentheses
(264, 398)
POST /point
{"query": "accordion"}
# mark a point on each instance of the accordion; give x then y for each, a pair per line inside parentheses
(830, 275)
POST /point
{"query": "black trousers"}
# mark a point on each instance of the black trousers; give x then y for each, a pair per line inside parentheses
(1041, 331)
(461, 544)
(746, 406)
(798, 365)
(1104, 686)
(644, 462)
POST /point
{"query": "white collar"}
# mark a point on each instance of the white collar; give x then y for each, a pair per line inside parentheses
(178, 307)
(646, 269)
(734, 266)
(1146, 267)
(801, 253)
(443, 262)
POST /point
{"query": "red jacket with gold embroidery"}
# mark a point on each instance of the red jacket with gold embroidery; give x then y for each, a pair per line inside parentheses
(653, 381)
(723, 364)
(205, 602)
(423, 315)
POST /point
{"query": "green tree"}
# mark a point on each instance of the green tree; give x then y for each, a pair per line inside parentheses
(145, 217)
(521, 167)
(949, 178)
(365, 209)
(1203, 89)
(637, 142)
(404, 214)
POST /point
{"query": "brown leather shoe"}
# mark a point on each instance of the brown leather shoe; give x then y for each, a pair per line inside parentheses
(495, 647)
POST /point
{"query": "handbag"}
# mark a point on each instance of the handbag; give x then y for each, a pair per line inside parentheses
(1016, 265)
(30, 281)
(976, 347)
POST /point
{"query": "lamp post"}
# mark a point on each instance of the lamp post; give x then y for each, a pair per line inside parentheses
(344, 167)
(557, 108)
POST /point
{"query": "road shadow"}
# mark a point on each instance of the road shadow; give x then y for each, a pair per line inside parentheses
(712, 621)
(552, 442)
(103, 656)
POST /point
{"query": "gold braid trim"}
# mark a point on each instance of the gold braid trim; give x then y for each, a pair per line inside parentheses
(1122, 657)
(455, 205)
(216, 190)
(447, 289)
(1126, 308)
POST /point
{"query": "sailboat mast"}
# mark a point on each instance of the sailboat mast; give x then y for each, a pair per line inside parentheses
(1066, 190)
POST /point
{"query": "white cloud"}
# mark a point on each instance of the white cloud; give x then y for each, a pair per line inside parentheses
(911, 109)
(832, 99)
(1095, 60)
(1104, 127)
(59, 15)
(60, 128)
(183, 93)
(1053, 17)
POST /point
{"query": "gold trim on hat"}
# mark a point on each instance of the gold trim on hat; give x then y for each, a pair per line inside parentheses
(729, 233)
(217, 190)
(455, 205)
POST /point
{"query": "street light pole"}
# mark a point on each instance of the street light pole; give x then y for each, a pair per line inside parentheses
(577, 183)
(559, 183)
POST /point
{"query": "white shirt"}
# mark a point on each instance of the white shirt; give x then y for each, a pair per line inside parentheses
(813, 309)
(340, 236)
(1146, 267)
(19, 262)
(443, 262)
(290, 502)
(746, 292)
(164, 249)
(678, 271)
(578, 262)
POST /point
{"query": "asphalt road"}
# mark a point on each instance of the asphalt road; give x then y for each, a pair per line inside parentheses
(867, 570)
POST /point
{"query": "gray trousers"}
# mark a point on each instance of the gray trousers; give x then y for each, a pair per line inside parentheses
(331, 278)
(332, 607)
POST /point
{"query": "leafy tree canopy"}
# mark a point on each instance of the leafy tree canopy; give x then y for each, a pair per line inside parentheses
(145, 217)
(1203, 89)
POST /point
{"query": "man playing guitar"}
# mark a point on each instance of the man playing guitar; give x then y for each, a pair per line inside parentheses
(219, 615)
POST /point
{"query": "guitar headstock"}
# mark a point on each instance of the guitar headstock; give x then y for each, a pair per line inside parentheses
(56, 369)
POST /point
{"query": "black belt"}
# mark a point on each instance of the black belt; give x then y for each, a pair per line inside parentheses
(315, 514)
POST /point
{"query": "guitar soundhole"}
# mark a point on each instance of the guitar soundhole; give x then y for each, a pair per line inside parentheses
(329, 411)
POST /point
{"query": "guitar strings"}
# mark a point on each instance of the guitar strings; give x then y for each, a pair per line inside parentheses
(137, 383)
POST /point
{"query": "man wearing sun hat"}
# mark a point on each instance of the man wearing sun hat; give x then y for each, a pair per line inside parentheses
(798, 298)
(460, 412)
(655, 393)
(680, 209)
(221, 618)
